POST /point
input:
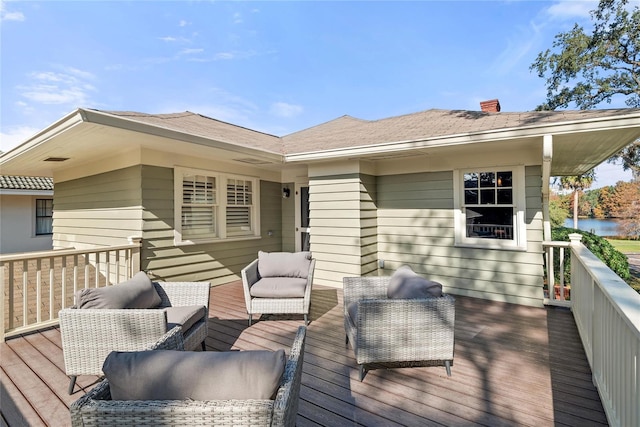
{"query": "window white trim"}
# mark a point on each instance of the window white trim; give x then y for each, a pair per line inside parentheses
(519, 240)
(212, 195)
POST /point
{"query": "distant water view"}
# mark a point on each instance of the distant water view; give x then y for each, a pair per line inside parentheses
(600, 227)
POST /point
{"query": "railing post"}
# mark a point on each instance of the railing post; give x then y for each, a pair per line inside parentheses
(135, 254)
(4, 298)
(575, 238)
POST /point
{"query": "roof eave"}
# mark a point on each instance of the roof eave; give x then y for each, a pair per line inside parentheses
(67, 122)
(106, 119)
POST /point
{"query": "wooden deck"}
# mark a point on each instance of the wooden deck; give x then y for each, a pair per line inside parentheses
(513, 365)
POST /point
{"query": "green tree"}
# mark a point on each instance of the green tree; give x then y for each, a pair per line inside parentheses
(576, 184)
(558, 212)
(588, 68)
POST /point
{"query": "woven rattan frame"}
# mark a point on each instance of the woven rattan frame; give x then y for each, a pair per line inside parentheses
(255, 305)
(97, 409)
(397, 332)
(89, 335)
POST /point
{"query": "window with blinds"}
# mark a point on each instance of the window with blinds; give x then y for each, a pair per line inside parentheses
(239, 207)
(214, 206)
(199, 206)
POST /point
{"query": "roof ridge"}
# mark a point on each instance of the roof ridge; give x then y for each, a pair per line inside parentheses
(233, 124)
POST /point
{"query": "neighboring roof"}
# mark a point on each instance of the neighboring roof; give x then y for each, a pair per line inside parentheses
(11, 182)
(347, 132)
(197, 124)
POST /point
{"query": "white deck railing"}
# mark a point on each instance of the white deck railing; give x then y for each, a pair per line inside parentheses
(607, 314)
(556, 290)
(36, 285)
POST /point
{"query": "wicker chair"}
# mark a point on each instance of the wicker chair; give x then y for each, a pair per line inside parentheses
(397, 332)
(275, 305)
(89, 335)
(97, 408)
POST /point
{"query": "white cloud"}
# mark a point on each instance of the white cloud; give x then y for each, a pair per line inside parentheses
(571, 9)
(190, 51)
(237, 18)
(15, 136)
(168, 39)
(183, 23)
(224, 55)
(68, 86)
(283, 109)
(6, 15)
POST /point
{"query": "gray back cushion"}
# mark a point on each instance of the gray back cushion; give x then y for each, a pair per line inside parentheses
(284, 264)
(404, 283)
(137, 292)
(181, 375)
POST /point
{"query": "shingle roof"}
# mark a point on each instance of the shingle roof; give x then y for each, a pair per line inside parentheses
(346, 131)
(197, 124)
(11, 182)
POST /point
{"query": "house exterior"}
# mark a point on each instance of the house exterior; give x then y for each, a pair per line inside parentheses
(461, 196)
(26, 214)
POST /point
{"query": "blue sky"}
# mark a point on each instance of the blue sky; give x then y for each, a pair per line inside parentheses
(277, 67)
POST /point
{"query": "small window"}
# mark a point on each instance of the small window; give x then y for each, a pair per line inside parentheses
(214, 206)
(490, 208)
(488, 205)
(44, 216)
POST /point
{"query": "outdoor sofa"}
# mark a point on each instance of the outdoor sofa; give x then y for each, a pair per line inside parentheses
(279, 282)
(91, 329)
(404, 330)
(98, 408)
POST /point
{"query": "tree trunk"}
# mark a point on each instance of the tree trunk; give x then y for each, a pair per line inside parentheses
(575, 209)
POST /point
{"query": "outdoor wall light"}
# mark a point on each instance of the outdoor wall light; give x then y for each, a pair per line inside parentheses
(286, 193)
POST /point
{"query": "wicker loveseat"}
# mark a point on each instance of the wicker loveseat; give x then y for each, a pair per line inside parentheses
(90, 334)
(97, 408)
(279, 282)
(396, 332)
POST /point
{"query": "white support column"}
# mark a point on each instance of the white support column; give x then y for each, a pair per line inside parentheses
(547, 156)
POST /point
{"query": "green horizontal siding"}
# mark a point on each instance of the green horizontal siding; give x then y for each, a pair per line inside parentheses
(218, 262)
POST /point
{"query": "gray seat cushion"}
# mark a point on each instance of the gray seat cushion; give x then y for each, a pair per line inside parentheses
(182, 375)
(279, 287)
(137, 292)
(404, 283)
(284, 264)
(185, 316)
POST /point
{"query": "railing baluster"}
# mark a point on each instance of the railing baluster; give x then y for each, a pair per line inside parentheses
(25, 292)
(561, 272)
(107, 269)
(52, 264)
(39, 290)
(63, 280)
(75, 274)
(87, 263)
(117, 266)
(12, 300)
(4, 300)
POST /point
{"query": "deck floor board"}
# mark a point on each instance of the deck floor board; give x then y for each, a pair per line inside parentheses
(513, 365)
